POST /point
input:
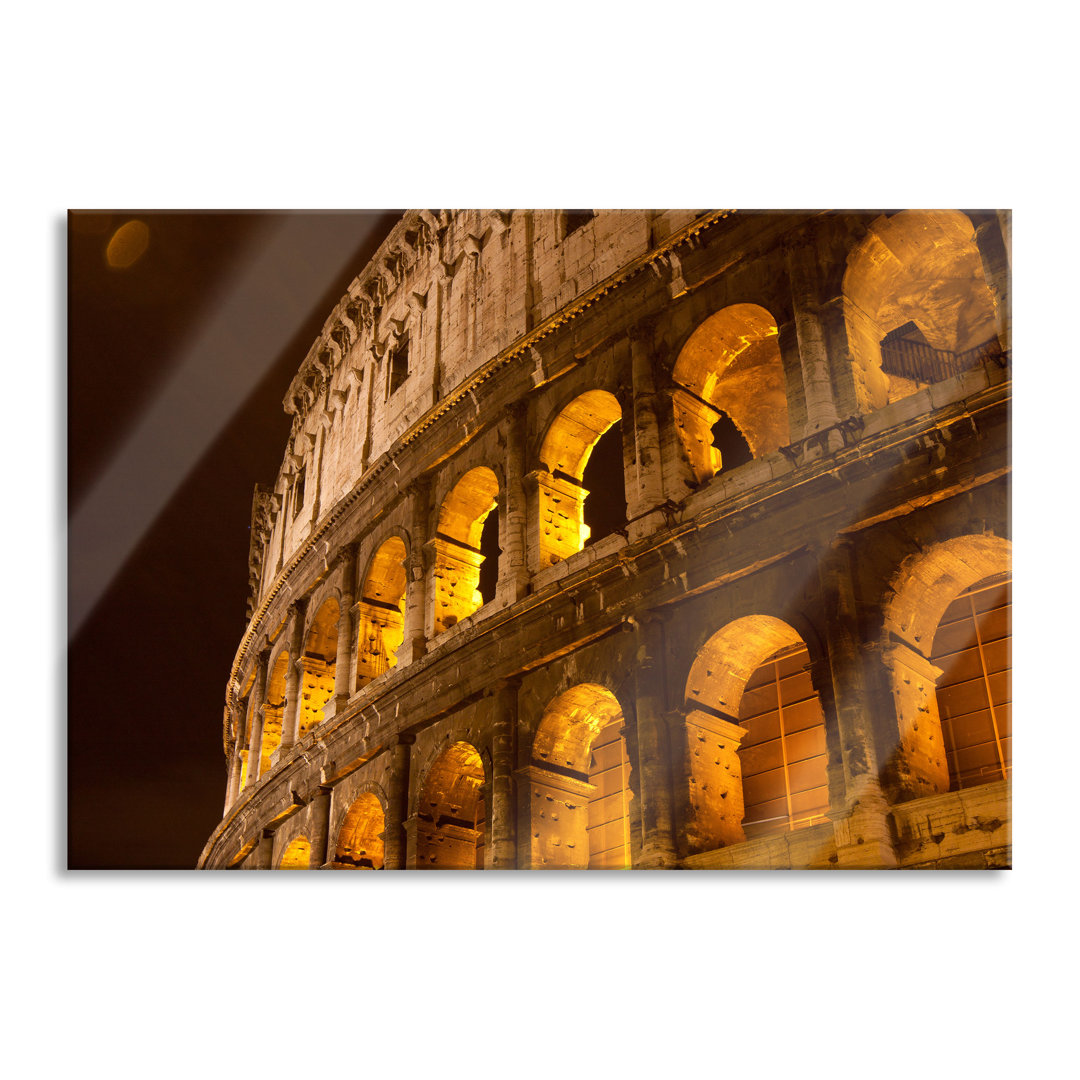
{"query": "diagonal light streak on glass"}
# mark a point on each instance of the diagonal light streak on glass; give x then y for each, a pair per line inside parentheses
(266, 305)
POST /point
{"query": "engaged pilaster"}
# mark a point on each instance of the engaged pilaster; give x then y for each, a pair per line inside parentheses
(513, 566)
(293, 678)
(397, 804)
(417, 564)
(646, 491)
(501, 853)
(258, 699)
(346, 629)
(863, 838)
(653, 750)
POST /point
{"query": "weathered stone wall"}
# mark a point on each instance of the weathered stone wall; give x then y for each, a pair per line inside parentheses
(818, 535)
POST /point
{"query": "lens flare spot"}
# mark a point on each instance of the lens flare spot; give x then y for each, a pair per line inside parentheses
(127, 245)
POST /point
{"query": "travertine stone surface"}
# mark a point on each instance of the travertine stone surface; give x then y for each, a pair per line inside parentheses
(390, 706)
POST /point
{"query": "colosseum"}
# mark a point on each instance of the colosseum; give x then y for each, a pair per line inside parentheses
(626, 539)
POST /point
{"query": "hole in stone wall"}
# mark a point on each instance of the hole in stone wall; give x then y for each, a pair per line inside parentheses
(605, 505)
(399, 364)
(298, 492)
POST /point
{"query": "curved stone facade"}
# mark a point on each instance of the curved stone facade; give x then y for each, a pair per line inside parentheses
(624, 539)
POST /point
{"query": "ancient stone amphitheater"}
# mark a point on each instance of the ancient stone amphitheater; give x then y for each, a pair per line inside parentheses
(612, 539)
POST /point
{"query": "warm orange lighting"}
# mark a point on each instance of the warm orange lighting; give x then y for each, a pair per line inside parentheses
(360, 843)
(381, 621)
(450, 813)
(457, 546)
(128, 245)
(297, 855)
(731, 366)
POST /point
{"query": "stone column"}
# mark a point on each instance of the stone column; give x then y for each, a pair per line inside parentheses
(513, 564)
(417, 562)
(553, 819)
(712, 792)
(819, 394)
(258, 698)
(346, 630)
(501, 851)
(634, 817)
(912, 752)
(319, 828)
(646, 491)
(397, 804)
(261, 858)
(232, 788)
(290, 722)
(654, 752)
(862, 835)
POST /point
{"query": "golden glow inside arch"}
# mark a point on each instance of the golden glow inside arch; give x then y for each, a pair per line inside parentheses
(297, 855)
(581, 796)
(727, 660)
(921, 267)
(457, 546)
(360, 842)
(451, 811)
(571, 722)
(274, 710)
(320, 658)
(564, 454)
(381, 615)
(722, 714)
(576, 430)
(731, 364)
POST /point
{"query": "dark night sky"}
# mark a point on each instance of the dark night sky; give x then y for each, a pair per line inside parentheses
(148, 667)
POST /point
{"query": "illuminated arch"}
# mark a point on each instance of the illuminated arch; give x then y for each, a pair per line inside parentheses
(579, 782)
(916, 304)
(755, 735)
(381, 614)
(731, 375)
(360, 841)
(297, 855)
(919, 653)
(319, 663)
(457, 545)
(274, 710)
(564, 455)
(450, 816)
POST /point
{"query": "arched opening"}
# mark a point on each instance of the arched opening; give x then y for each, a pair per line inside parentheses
(580, 783)
(916, 304)
(458, 544)
(297, 855)
(755, 735)
(360, 842)
(273, 711)
(972, 647)
(318, 665)
(381, 612)
(588, 427)
(732, 403)
(946, 648)
(450, 815)
(602, 479)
